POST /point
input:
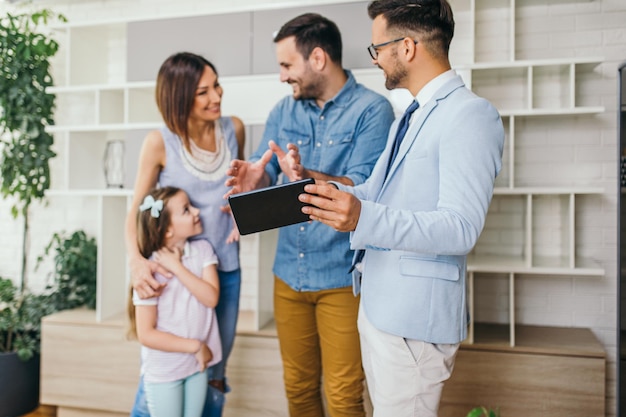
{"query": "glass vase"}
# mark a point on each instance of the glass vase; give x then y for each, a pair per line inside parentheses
(113, 164)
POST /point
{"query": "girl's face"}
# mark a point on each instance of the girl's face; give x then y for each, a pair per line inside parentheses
(184, 218)
(208, 99)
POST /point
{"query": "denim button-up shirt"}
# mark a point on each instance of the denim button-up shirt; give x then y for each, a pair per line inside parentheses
(343, 138)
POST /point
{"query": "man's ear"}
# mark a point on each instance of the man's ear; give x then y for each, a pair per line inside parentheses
(409, 49)
(317, 59)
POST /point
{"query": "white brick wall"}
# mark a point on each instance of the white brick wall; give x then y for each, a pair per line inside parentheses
(585, 154)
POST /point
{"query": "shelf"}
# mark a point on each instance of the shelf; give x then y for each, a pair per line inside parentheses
(109, 192)
(247, 325)
(550, 112)
(100, 87)
(105, 127)
(547, 190)
(540, 266)
(84, 317)
(562, 341)
(258, 120)
(243, 79)
(531, 63)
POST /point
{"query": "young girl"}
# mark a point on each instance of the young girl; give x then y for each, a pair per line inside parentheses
(177, 330)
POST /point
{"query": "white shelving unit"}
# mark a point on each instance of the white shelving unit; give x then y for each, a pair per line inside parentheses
(530, 262)
(536, 89)
(96, 103)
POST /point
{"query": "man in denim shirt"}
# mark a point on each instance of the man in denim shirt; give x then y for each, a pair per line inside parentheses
(333, 129)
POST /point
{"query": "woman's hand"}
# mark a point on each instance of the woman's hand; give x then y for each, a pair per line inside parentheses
(247, 176)
(142, 273)
(234, 235)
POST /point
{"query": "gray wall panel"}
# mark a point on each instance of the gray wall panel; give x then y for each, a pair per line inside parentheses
(222, 39)
(253, 141)
(133, 140)
(351, 18)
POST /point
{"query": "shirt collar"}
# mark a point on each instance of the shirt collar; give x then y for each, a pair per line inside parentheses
(187, 249)
(342, 98)
(428, 91)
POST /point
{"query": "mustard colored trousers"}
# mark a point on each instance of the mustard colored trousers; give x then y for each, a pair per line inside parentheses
(319, 340)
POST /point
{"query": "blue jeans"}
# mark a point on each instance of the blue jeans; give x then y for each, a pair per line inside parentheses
(227, 312)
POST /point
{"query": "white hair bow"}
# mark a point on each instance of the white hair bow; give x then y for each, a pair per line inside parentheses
(155, 207)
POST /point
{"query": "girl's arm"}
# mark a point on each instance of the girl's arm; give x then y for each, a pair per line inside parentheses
(149, 336)
(206, 288)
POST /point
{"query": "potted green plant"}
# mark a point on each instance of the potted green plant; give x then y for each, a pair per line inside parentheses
(74, 281)
(72, 284)
(20, 324)
(26, 109)
(483, 412)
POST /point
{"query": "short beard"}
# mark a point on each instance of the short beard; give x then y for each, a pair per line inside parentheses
(395, 78)
(311, 86)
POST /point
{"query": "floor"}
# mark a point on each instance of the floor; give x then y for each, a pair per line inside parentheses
(43, 411)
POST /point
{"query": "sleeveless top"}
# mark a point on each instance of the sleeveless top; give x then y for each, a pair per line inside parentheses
(205, 188)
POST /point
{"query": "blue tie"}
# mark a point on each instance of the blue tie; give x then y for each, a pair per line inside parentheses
(403, 126)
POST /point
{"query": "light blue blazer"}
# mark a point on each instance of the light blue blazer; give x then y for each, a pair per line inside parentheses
(418, 225)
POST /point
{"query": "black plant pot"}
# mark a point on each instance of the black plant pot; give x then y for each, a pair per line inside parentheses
(19, 385)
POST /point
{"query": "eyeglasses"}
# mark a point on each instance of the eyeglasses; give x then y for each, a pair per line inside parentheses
(373, 49)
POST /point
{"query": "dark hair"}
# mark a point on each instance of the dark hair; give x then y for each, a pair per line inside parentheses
(151, 230)
(431, 20)
(176, 85)
(312, 30)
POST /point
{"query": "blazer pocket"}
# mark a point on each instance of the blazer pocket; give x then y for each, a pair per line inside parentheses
(429, 268)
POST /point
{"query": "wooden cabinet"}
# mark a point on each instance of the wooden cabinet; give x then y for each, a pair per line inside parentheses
(551, 372)
(90, 369)
(87, 365)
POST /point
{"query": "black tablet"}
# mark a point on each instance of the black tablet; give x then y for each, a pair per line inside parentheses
(269, 208)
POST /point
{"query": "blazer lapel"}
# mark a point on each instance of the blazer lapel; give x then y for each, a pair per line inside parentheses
(416, 125)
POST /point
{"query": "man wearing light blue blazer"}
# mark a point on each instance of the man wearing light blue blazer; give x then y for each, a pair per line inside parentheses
(416, 218)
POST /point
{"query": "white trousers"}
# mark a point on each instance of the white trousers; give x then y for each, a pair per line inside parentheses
(405, 377)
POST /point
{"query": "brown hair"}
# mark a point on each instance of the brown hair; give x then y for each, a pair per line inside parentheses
(176, 86)
(150, 238)
(432, 20)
